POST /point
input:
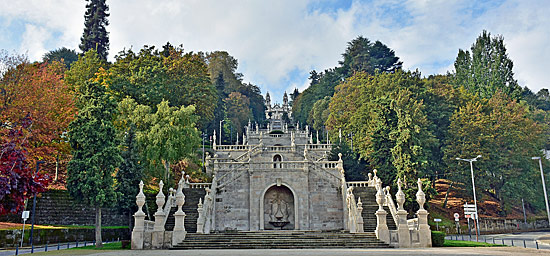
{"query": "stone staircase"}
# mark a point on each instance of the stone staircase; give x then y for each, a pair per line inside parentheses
(280, 240)
(192, 196)
(368, 198)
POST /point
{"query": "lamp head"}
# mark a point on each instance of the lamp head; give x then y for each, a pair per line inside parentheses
(535, 157)
(457, 158)
(478, 156)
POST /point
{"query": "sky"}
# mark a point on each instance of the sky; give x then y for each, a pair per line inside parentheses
(277, 43)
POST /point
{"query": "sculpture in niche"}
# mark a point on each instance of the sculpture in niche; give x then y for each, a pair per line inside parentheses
(278, 211)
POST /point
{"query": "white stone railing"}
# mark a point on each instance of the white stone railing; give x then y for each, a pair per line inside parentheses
(232, 147)
(278, 148)
(390, 204)
(324, 147)
(410, 233)
(197, 185)
(170, 202)
(355, 219)
(148, 225)
(358, 184)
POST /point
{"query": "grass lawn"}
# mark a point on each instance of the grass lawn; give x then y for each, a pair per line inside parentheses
(109, 246)
(458, 243)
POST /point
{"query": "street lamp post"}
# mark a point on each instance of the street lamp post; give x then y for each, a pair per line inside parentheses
(204, 136)
(473, 187)
(221, 131)
(543, 186)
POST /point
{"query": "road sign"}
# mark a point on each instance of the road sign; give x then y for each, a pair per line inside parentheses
(25, 215)
(467, 216)
(437, 220)
(456, 215)
(469, 208)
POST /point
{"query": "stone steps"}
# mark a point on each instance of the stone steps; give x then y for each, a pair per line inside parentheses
(368, 198)
(192, 196)
(280, 240)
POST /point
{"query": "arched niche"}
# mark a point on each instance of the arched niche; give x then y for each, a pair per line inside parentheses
(277, 206)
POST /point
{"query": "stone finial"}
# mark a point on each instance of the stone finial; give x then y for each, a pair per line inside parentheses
(420, 196)
(375, 177)
(318, 137)
(140, 198)
(180, 197)
(380, 198)
(200, 203)
(340, 157)
(307, 129)
(400, 196)
(160, 197)
(370, 176)
(340, 134)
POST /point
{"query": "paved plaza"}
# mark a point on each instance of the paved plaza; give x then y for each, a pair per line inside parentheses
(318, 252)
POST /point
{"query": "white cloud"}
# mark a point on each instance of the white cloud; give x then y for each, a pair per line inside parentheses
(277, 43)
(33, 41)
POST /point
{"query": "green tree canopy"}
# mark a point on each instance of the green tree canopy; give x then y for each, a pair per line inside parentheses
(387, 120)
(166, 136)
(361, 55)
(63, 55)
(151, 76)
(504, 133)
(96, 155)
(487, 68)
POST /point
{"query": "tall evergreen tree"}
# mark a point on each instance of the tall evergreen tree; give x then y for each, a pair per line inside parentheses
(487, 68)
(129, 174)
(92, 136)
(95, 33)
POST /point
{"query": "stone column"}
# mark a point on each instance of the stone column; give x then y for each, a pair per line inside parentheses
(402, 228)
(139, 217)
(382, 231)
(214, 140)
(360, 221)
(178, 235)
(424, 232)
(158, 229)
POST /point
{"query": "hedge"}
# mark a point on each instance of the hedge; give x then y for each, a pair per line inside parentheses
(438, 238)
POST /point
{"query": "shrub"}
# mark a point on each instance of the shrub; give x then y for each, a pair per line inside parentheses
(438, 238)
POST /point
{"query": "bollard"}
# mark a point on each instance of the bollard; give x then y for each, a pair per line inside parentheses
(94, 243)
(485, 239)
(58, 246)
(76, 243)
(32, 248)
(524, 245)
(67, 245)
(537, 243)
(512, 242)
(493, 240)
(84, 243)
(502, 241)
(17, 249)
(46, 248)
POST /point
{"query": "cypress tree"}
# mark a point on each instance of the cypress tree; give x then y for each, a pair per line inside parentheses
(96, 155)
(129, 174)
(95, 34)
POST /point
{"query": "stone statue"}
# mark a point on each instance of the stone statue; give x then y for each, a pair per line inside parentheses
(279, 209)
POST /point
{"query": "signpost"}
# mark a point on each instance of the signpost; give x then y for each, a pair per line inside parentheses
(25, 216)
(470, 212)
(437, 223)
(457, 223)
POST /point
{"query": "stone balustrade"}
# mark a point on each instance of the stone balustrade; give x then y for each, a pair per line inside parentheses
(149, 234)
(359, 184)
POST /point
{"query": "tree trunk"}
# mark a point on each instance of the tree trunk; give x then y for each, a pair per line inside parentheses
(447, 195)
(130, 221)
(98, 240)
